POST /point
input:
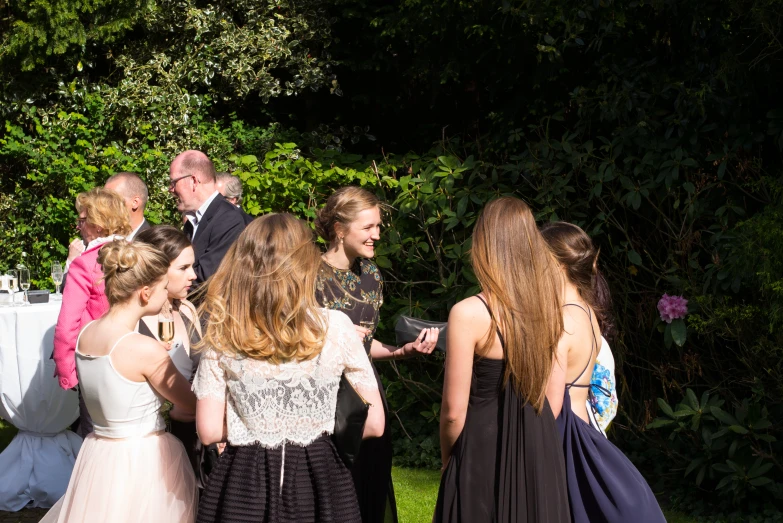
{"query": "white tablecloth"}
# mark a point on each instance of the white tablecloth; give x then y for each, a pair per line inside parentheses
(37, 465)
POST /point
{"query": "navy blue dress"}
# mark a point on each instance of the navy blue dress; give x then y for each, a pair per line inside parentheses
(603, 484)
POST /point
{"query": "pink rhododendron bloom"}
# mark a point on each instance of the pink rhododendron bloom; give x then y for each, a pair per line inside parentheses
(672, 307)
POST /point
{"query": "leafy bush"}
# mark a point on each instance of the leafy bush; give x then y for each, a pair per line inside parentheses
(731, 452)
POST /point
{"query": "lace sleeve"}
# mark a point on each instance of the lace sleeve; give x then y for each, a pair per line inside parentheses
(210, 379)
(356, 364)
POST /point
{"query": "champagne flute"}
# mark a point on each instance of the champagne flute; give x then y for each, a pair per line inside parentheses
(57, 278)
(368, 324)
(24, 282)
(11, 284)
(166, 325)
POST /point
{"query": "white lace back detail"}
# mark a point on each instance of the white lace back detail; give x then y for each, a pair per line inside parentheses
(289, 403)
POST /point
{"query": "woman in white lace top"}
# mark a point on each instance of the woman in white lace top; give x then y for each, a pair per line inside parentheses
(267, 383)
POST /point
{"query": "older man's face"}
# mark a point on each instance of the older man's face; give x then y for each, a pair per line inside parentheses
(182, 185)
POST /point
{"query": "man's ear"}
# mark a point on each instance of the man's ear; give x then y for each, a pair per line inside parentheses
(136, 203)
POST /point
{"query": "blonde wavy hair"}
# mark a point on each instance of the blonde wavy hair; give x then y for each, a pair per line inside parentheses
(519, 277)
(261, 301)
(105, 209)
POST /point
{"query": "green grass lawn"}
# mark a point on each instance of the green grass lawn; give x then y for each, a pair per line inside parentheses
(416, 491)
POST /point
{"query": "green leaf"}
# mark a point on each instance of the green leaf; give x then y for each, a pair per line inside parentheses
(659, 422)
(738, 429)
(758, 482)
(667, 336)
(723, 416)
(665, 407)
(383, 262)
(679, 333)
(634, 257)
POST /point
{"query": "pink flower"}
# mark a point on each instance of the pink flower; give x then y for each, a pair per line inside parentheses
(672, 307)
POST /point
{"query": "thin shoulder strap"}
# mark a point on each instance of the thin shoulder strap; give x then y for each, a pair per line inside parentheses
(497, 327)
(79, 337)
(592, 345)
(120, 339)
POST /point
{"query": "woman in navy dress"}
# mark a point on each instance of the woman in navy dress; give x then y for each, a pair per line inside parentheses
(603, 484)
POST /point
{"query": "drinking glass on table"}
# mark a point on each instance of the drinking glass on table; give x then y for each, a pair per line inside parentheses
(12, 284)
(57, 278)
(24, 283)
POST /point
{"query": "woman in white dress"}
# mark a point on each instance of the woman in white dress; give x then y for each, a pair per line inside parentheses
(129, 470)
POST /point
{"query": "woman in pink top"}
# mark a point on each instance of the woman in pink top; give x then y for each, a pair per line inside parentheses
(102, 218)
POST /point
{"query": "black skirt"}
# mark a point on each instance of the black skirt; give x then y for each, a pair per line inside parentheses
(507, 465)
(246, 486)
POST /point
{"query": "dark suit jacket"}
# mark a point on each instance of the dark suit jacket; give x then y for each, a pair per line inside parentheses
(144, 226)
(247, 217)
(219, 227)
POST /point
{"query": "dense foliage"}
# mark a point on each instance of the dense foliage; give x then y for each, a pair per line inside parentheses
(653, 125)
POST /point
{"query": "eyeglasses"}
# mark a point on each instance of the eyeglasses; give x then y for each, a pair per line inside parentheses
(174, 181)
(81, 221)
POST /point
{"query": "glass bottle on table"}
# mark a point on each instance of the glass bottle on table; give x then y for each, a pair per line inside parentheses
(57, 278)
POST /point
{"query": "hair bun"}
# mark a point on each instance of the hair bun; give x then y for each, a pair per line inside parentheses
(118, 256)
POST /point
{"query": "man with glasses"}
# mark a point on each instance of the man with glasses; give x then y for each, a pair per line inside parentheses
(212, 223)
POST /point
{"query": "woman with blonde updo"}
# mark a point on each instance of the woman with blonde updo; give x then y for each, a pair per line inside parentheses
(268, 383)
(129, 469)
(103, 217)
(349, 281)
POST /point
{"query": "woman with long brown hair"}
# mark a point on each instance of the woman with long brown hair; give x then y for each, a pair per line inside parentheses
(349, 281)
(499, 444)
(603, 484)
(268, 383)
(185, 326)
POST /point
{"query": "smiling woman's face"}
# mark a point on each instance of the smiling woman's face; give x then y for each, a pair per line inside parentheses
(181, 274)
(360, 235)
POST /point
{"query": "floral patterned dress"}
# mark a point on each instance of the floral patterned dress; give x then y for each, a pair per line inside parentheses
(358, 292)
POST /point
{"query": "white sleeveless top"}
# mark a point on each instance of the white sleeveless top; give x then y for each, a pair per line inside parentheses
(119, 407)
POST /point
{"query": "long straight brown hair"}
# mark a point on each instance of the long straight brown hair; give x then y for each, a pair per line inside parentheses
(519, 277)
(261, 301)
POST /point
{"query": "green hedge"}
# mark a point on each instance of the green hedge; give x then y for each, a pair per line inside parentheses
(700, 224)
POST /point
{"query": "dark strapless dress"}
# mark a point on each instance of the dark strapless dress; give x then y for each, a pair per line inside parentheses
(507, 464)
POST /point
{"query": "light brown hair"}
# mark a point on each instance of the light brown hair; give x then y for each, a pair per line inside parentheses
(576, 253)
(261, 301)
(105, 209)
(342, 207)
(127, 267)
(520, 280)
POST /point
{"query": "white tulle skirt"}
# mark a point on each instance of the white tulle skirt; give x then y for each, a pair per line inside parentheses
(147, 479)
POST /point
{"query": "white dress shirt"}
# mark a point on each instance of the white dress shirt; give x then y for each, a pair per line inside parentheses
(195, 217)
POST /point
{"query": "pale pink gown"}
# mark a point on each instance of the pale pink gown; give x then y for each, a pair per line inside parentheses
(129, 470)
